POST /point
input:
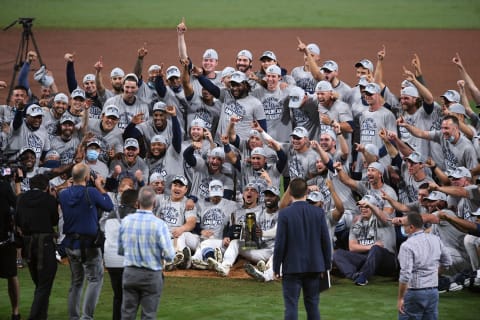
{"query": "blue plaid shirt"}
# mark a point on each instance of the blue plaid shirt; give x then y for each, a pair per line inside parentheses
(145, 240)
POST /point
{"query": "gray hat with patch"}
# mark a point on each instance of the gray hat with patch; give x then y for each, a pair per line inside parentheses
(460, 172)
(365, 63)
(436, 195)
(273, 190)
(258, 151)
(131, 143)
(181, 179)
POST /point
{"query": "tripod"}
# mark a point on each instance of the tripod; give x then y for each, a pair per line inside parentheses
(22, 52)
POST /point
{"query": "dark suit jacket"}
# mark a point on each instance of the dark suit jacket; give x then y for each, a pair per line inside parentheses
(302, 243)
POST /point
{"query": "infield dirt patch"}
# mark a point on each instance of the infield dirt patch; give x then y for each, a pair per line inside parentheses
(119, 48)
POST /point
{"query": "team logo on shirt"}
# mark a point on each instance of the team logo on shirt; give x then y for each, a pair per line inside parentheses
(212, 217)
(368, 130)
(169, 215)
(273, 109)
(234, 108)
(34, 142)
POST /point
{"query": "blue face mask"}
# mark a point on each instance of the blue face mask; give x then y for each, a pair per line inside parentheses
(92, 155)
(51, 164)
(451, 139)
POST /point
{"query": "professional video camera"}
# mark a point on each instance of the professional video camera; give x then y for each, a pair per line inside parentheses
(9, 168)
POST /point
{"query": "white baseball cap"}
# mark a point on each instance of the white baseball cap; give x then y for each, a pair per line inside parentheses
(372, 88)
(62, 97)
(313, 48)
(377, 166)
(300, 132)
(215, 188)
(245, 53)
(154, 67)
(258, 151)
(410, 91)
(365, 63)
(78, 93)
(268, 54)
(238, 77)
(330, 65)
(228, 71)
(323, 86)
(117, 72)
(217, 152)
(173, 71)
(88, 77)
(274, 69)
(111, 110)
(452, 96)
(159, 106)
(131, 142)
(296, 96)
(210, 54)
(34, 110)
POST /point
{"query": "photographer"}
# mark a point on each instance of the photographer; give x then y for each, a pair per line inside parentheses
(37, 228)
(79, 205)
(8, 267)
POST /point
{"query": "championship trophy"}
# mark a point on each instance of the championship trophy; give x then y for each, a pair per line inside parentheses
(249, 237)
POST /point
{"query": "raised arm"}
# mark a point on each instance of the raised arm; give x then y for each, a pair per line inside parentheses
(337, 202)
(141, 53)
(312, 64)
(422, 90)
(378, 75)
(98, 76)
(468, 80)
(182, 46)
(185, 77)
(419, 133)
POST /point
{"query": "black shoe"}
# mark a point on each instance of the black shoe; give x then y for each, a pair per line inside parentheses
(16, 317)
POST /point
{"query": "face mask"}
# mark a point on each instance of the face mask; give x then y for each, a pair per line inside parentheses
(151, 85)
(92, 155)
(52, 164)
(451, 139)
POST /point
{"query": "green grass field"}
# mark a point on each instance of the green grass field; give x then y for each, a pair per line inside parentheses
(438, 14)
(246, 299)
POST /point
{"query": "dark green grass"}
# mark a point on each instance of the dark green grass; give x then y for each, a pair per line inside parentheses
(245, 299)
(439, 14)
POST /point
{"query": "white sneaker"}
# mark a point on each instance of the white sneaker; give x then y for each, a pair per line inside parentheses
(455, 287)
(222, 270)
(199, 264)
(178, 258)
(254, 272)
(218, 255)
(261, 266)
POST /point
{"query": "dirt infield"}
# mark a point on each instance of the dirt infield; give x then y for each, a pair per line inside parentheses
(118, 48)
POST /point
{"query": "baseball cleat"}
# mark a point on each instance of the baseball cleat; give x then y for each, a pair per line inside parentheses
(254, 272)
(261, 266)
(218, 255)
(199, 264)
(186, 262)
(221, 270)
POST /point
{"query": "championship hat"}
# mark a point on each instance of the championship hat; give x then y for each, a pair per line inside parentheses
(315, 196)
(111, 110)
(300, 132)
(131, 143)
(323, 86)
(273, 190)
(377, 166)
(313, 48)
(274, 69)
(460, 172)
(245, 53)
(62, 97)
(78, 93)
(451, 96)
(88, 77)
(154, 67)
(217, 152)
(258, 151)
(373, 88)
(181, 179)
(159, 106)
(436, 195)
(330, 65)
(416, 157)
(42, 77)
(370, 199)
(67, 117)
(410, 91)
(117, 72)
(268, 54)
(210, 54)
(228, 71)
(296, 96)
(158, 138)
(365, 63)
(238, 77)
(251, 185)
(34, 110)
(215, 188)
(173, 71)
(457, 108)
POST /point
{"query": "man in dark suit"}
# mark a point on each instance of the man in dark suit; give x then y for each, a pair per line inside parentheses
(303, 250)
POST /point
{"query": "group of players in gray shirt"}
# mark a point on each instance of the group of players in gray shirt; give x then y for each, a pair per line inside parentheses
(220, 136)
